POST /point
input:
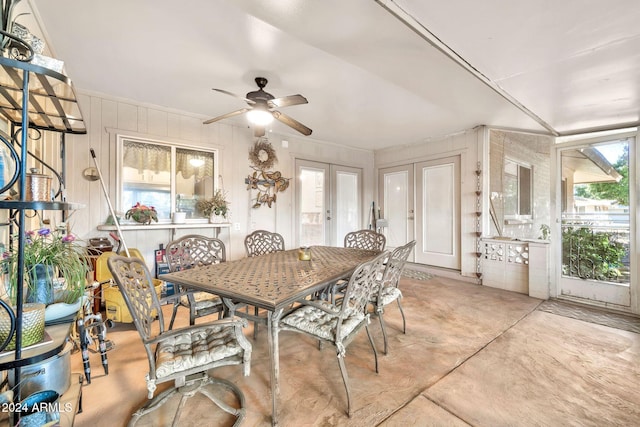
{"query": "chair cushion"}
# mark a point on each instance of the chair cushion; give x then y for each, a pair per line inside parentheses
(203, 300)
(195, 347)
(390, 294)
(319, 323)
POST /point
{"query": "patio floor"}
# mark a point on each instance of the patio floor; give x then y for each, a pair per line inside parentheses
(472, 355)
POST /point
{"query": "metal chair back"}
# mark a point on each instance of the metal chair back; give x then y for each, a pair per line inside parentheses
(365, 239)
(262, 242)
(194, 251)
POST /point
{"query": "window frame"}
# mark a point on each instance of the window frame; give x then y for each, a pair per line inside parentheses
(518, 215)
(173, 145)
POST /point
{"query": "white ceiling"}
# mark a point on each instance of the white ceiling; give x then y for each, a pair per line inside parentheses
(548, 66)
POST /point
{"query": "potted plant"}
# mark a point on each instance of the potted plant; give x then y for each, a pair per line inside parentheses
(216, 207)
(142, 214)
(49, 256)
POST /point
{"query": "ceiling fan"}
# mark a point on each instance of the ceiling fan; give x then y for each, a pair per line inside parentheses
(261, 110)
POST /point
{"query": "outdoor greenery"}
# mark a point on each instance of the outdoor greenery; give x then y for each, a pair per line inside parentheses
(591, 255)
(618, 191)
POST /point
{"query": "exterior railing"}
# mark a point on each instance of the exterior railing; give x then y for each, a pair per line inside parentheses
(595, 246)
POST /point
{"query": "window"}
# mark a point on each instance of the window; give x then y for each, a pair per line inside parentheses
(517, 190)
(166, 176)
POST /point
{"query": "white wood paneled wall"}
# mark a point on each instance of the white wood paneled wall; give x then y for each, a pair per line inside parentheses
(106, 117)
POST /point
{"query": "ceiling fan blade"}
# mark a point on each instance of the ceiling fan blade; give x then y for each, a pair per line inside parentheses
(226, 116)
(234, 95)
(292, 123)
(286, 101)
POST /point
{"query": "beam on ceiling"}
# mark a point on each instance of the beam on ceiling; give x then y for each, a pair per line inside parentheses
(432, 39)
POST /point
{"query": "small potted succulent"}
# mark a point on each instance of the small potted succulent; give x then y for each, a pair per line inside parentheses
(142, 214)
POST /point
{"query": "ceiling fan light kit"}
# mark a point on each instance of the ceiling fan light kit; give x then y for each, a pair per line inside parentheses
(262, 109)
(259, 116)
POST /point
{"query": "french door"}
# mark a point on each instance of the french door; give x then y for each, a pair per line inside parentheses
(433, 219)
(396, 190)
(438, 212)
(328, 202)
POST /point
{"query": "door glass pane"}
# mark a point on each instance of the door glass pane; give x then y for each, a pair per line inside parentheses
(194, 180)
(347, 202)
(438, 209)
(595, 217)
(396, 206)
(146, 176)
(312, 206)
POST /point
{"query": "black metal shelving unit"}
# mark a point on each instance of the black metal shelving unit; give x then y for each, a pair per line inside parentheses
(34, 97)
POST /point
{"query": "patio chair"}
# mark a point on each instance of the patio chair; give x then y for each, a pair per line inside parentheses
(194, 251)
(361, 239)
(340, 324)
(260, 242)
(387, 291)
(365, 239)
(181, 355)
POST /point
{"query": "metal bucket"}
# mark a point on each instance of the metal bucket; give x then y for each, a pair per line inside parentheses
(53, 373)
(38, 187)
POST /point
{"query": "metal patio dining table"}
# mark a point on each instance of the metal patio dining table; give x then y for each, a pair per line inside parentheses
(273, 282)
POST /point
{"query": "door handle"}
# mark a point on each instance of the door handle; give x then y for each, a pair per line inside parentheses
(328, 218)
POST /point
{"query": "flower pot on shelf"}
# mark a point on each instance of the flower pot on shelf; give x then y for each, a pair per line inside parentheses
(32, 325)
(216, 219)
(142, 214)
(59, 310)
(41, 288)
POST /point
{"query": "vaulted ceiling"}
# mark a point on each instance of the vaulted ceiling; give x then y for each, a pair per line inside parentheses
(376, 73)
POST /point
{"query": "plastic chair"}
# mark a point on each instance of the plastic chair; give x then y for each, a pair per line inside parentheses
(387, 289)
(339, 325)
(181, 355)
(194, 251)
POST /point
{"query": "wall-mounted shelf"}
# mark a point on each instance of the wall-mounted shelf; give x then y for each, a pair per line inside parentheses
(40, 206)
(167, 226)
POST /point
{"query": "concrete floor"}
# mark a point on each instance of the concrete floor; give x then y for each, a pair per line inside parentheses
(472, 355)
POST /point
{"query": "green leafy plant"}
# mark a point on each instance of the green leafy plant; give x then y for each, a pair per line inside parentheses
(591, 255)
(50, 248)
(142, 214)
(217, 205)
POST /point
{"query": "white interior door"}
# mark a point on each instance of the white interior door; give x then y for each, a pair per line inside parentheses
(396, 190)
(438, 213)
(328, 202)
